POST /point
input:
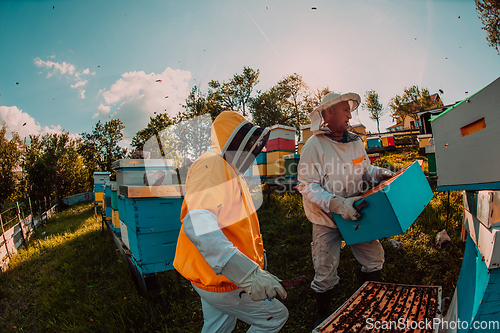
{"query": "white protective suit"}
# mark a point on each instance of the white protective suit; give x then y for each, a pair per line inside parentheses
(330, 171)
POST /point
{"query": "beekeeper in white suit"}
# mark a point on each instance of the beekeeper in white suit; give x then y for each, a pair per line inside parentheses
(333, 167)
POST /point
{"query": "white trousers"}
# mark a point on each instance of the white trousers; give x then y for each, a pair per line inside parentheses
(326, 247)
(221, 310)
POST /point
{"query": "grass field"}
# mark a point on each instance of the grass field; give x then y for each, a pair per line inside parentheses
(73, 279)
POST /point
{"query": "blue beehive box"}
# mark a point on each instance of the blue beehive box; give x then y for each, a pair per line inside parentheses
(374, 142)
(152, 218)
(261, 158)
(108, 211)
(392, 207)
(477, 295)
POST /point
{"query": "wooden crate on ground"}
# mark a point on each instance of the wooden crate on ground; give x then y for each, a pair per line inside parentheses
(379, 306)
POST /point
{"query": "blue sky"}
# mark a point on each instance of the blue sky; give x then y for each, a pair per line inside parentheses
(78, 62)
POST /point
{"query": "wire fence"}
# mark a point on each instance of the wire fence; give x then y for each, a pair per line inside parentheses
(16, 231)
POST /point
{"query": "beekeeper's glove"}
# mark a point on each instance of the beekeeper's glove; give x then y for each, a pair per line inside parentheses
(258, 283)
(383, 174)
(344, 207)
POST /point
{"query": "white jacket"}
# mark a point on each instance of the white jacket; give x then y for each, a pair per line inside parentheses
(329, 168)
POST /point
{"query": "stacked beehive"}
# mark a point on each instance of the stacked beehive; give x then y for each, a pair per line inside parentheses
(466, 140)
(291, 164)
(115, 218)
(259, 169)
(108, 211)
(100, 178)
(281, 142)
(306, 134)
(149, 215)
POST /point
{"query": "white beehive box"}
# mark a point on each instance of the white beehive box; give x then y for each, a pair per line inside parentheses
(486, 239)
(124, 234)
(281, 132)
(484, 205)
(131, 171)
(101, 177)
(466, 139)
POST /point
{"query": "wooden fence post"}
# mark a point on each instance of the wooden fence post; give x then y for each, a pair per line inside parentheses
(3, 235)
(32, 219)
(40, 210)
(20, 222)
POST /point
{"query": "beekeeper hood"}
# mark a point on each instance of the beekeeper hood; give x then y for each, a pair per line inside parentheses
(237, 140)
(317, 123)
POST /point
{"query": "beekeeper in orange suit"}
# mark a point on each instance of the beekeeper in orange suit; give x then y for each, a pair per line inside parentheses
(332, 170)
(220, 248)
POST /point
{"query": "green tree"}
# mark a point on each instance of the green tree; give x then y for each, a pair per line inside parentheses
(412, 100)
(373, 106)
(100, 148)
(235, 94)
(10, 155)
(156, 125)
(286, 103)
(489, 13)
(54, 168)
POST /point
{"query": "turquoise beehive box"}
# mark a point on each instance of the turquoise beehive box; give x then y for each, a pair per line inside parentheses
(151, 216)
(391, 209)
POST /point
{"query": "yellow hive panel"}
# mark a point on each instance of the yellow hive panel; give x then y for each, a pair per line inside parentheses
(277, 168)
(274, 156)
(259, 169)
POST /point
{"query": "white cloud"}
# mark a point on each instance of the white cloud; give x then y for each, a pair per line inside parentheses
(79, 84)
(18, 121)
(55, 68)
(136, 96)
(58, 67)
(24, 124)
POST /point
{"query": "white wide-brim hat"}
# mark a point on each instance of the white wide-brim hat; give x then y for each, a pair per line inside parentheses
(334, 98)
(329, 100)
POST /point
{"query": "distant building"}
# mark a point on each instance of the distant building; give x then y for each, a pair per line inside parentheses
(414, 121)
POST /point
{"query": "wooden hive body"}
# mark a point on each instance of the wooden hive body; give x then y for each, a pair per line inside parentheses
(477, 295)
(152, 224)
(466, 138)
(392, 207)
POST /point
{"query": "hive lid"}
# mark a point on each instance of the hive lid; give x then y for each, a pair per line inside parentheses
(138, 191)
(141, 163)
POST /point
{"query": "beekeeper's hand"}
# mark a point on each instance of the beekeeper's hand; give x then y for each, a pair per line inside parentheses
(345, 208)
(384, 174)
(258, 283)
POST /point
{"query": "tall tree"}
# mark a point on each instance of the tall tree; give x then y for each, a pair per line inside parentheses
(156, 124)
(10, 155)
(54, 167)
(235, 94)
(412, 100)
(373, 106)
(286, 103)
(100, 148)
(489, 13)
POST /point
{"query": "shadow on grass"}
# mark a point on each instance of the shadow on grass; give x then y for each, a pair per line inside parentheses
(74, 279)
